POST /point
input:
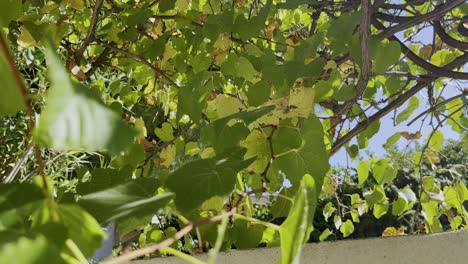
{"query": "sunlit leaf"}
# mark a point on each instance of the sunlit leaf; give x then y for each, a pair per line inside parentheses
(206, 178)
(75, 118)
(295, 231)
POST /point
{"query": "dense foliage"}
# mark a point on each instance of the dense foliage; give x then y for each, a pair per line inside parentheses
(175, 117)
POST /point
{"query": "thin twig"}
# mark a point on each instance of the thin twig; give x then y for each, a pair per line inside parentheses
(139, 59)
(166, 243)
(438, 11)
(91, 32)
(364, 36)
(361, 126)
(433, 69)
(439, 104)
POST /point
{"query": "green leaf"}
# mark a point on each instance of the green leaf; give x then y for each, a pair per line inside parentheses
(192, 97)
(442, 57)
(18, 202)
(383, 172)
(364, 137)
(239, 67)
(325, 234)
(310, 157)
(11, 100)
(399, 206)
(259, 93)
(165, 133)
(377, 195)
(295, 231)
(341, 31)
(103, 178)
(83, 229)
(406, 199)
(380, 210)
(166, 5)
(392, 140)
(385, 54)
(11, 10)
(347, 228)
(436, 141)
(226, 132)
(392, 85)
(292, 4)
(246, 29)
(247, 235)
(31, 251)
(282, 204)
(328, 210)
(134, 199)
(362, 171)
(205, 178)
(353, 151)
(413, 104)
(75, 118)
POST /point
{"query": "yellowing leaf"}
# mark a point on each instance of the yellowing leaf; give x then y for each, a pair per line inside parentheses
(224, 105)
(392, 231)
(207, 153)
(168, 155)
(140, 129)
(191, 148)
(26, 40)
(301, 100)
(270, 27)
(76, 4)
(165, 133)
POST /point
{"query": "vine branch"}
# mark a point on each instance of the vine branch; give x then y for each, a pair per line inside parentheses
(91, 31)
(361, 126)
(166, 243)
(438, 11)
(139, 59)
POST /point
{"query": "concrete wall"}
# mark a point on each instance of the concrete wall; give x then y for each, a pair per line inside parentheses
(450, 248)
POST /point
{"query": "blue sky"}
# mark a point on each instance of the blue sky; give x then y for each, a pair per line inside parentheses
(387, 127)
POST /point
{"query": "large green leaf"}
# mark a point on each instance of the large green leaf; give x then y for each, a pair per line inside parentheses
(238, 67)
(295, 231)
(310, 157)
(224, 134)
(192, 97)
(246, 235)
(385, 54)
(30, 251)
(11, 10)
(205, 178)
(18, 202)
(383, 172)
(83, 229)
(132, 199)
(75, 118)
(11, 100)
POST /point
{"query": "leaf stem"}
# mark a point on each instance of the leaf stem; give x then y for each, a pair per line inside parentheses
(219, 240)
(181, 255)
(255, 221)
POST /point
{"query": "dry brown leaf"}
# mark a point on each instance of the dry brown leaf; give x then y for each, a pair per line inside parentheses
(411, 136)
(391, 231)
